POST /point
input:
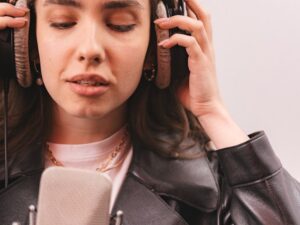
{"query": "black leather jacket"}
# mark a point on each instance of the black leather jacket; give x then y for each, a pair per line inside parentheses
(244, 184)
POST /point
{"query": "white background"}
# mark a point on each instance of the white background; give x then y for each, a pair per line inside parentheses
(257, 46)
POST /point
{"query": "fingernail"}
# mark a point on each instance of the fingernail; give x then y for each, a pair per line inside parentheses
(23, 9)
(163, 42)
(20, 21)
(161, 20)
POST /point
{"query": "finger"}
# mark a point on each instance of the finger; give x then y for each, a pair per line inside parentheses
(7, 9)
(188, 42)
(190, 13)
(202, 15)
(9, 22)
(194, 27)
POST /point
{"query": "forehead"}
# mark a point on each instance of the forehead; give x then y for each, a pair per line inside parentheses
(105, 4)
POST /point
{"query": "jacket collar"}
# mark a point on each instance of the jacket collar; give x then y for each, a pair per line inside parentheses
(193, 182)
(28, 159)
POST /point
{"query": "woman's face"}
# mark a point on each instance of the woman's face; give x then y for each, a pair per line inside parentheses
(92, 52)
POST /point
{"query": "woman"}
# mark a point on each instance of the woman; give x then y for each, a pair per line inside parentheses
(98, 108)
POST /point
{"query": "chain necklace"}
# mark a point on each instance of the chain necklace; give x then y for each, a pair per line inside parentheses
(108, 163)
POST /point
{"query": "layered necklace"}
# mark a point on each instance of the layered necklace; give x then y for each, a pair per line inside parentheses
(114, 160)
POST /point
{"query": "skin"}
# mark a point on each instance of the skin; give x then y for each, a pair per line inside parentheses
(11, 16)
(81, 120)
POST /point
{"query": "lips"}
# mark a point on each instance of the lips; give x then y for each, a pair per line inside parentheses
(88, 84)
(88, 80)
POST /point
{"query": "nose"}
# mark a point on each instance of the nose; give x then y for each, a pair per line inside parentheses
(90, 48)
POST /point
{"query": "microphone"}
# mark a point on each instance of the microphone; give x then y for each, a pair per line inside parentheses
(73, 197)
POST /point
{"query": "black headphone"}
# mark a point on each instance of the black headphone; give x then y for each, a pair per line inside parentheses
(16, 62)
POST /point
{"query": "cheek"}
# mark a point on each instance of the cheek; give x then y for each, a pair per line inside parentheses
(128, 67)
(51, 49)
(129, 58)
(51, 57)
(48, 50)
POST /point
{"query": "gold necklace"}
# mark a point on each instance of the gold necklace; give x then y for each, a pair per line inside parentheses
(106, 165)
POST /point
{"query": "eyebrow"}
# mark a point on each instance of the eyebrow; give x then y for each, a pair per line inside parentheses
(73, 3)
(114, 4)
(118, 4)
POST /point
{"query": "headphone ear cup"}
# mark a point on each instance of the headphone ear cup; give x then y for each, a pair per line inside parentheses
(21, 49)
(170, 62)
(180, 6)
(7, 65)
(163, 75)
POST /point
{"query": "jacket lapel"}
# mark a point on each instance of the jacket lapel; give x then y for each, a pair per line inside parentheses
(14, 200)
(193, 182)
(140, 204)
(150, 176)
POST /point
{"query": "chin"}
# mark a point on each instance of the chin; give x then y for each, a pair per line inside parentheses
(86, 112)
(90, 114)
(92, 110)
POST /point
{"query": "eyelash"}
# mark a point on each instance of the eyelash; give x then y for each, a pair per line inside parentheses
(118, 28)
(62, 26)
(121, 28)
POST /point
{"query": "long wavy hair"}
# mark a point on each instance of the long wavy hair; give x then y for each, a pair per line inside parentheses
(155, 117)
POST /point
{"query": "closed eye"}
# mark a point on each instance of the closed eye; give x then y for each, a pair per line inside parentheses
(121, 28)
(63, 26)
(115, 27)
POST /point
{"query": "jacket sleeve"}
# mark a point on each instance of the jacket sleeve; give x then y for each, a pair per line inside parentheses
(261, 191)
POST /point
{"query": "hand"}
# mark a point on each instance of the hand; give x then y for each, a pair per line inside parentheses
(199, 93)
(11, 16)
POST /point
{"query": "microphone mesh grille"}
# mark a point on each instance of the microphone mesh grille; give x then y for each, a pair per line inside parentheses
(73, 197)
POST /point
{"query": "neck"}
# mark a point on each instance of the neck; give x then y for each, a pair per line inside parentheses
(69, 129)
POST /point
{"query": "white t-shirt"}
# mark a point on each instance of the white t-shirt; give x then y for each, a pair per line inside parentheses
(88, 156)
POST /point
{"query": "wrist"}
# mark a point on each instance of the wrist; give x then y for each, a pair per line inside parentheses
(216, 110)
(221, 128)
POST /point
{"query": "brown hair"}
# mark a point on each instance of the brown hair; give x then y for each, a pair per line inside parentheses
(155, 117)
